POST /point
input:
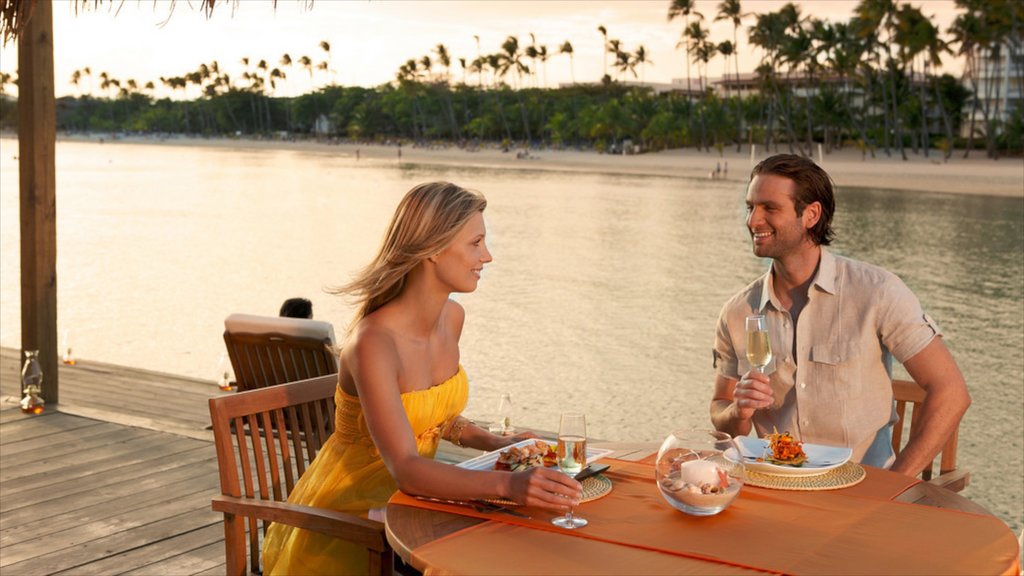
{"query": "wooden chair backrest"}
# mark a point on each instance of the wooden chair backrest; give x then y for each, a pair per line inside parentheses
(268, 359)
(908, 392)
(265, 439)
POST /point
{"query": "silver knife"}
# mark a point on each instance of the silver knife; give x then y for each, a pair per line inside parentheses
(590, 471)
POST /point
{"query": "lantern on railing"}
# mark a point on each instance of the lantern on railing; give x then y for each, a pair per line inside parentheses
(31, 384)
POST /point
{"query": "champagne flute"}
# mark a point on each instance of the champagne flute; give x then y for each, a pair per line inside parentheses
(759, 347)
(572, 458)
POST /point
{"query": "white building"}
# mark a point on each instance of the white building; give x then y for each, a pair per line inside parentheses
(997, 86)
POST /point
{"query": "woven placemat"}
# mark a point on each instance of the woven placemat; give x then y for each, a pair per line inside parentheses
(840, 477)
(594, 487)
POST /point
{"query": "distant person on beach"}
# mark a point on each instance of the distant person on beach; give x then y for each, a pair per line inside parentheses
(834, 325)
(297, 308)
(401, 388)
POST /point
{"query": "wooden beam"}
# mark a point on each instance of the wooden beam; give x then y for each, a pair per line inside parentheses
(37, 134)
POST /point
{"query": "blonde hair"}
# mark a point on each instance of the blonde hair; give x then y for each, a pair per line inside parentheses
(425, 223)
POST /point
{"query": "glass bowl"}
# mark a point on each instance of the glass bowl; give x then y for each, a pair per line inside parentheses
(693, 474)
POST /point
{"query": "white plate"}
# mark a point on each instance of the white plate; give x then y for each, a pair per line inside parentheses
(820, 459)
(486, 460)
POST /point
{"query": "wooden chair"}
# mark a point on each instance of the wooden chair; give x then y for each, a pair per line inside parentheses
(950, 477)
(270, 350)
(265, 439)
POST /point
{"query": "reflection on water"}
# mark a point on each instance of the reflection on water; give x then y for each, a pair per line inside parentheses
(603, 293)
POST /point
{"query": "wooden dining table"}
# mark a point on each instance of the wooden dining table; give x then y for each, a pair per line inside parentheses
(439, 539)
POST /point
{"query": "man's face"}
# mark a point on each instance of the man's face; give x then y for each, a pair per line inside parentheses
(775, 228)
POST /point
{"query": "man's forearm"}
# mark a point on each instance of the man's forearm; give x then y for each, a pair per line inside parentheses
(940, 414)
(725, 417)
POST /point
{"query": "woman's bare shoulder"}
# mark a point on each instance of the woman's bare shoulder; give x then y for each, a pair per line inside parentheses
(369, 342)
(454, 312)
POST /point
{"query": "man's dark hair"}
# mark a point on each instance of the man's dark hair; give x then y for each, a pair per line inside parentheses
(297, 308)
(812, 185)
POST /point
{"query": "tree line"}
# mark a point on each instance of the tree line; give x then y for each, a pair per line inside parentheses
(868, 82)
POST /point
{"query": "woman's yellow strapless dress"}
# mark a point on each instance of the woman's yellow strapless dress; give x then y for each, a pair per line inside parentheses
(348, 475)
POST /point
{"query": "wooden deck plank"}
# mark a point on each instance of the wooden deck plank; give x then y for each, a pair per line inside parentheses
(58, 517)
(84, 462)
(81, 437)
(41, 426)
(76, 494)
(189, 553)
(79, 555)
(96, 529)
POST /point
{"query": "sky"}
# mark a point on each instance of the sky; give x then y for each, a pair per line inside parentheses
(144, 40)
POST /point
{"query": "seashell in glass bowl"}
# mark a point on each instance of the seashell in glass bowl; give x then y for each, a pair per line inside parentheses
(693, 474)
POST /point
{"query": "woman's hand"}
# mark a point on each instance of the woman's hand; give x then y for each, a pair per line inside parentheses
(545, 488)
(504, 441)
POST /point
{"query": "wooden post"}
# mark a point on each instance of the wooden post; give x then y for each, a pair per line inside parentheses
(37, 134)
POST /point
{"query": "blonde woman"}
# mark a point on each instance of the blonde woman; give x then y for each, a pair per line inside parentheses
(401, 388)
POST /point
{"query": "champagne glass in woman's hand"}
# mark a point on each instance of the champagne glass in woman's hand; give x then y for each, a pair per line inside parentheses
(572, 458)
(759, 347)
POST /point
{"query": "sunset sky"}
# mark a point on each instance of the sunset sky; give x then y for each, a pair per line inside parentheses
(143, 40)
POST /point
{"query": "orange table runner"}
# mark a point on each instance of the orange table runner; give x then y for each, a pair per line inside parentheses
(856, 529)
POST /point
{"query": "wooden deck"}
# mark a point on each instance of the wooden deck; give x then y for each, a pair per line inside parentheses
(117, 479)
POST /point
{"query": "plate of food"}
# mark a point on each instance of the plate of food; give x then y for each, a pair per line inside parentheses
(525, 454)
(782, 454)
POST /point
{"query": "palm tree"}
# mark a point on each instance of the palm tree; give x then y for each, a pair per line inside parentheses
(326, 64)
(604, 49)
(76, 76)
(307, 64)
(876, 16)
(512, 59)
(730, 10)
(566, 48)
(621, 61)
(684, 8)
(428, 66)
(542, 55)
(88, 73)
(479, 64)
(445, 59)
(642, 58)
(624, 62)
(727, 50)
(6, 79)
(769, 33)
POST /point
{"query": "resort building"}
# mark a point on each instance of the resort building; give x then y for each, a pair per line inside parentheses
(996, 77)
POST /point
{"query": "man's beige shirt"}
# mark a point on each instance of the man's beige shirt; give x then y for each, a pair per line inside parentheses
(832, 376)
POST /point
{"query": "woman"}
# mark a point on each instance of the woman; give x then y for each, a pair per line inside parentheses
(401, 387)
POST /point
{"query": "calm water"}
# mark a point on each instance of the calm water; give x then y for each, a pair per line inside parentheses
(602, 297)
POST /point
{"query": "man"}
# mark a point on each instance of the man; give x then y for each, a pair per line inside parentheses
(835, 324)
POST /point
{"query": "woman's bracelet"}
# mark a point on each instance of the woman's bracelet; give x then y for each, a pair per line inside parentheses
(453, 431)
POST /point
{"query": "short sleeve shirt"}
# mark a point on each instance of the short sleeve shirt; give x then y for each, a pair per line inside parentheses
(832, 375)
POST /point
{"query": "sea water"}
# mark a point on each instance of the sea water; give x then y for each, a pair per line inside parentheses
(602, 297)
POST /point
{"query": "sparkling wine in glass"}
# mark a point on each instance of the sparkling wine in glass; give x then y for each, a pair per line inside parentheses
(759, 347)
(571, 458)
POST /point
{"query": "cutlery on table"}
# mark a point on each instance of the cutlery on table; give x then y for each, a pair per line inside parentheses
(481, 506)
(591, 470)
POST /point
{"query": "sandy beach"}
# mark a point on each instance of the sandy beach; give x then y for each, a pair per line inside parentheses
(975, 175)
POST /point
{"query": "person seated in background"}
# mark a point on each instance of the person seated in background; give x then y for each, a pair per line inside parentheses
(297, 308)
(834, 324)
(401, 388)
